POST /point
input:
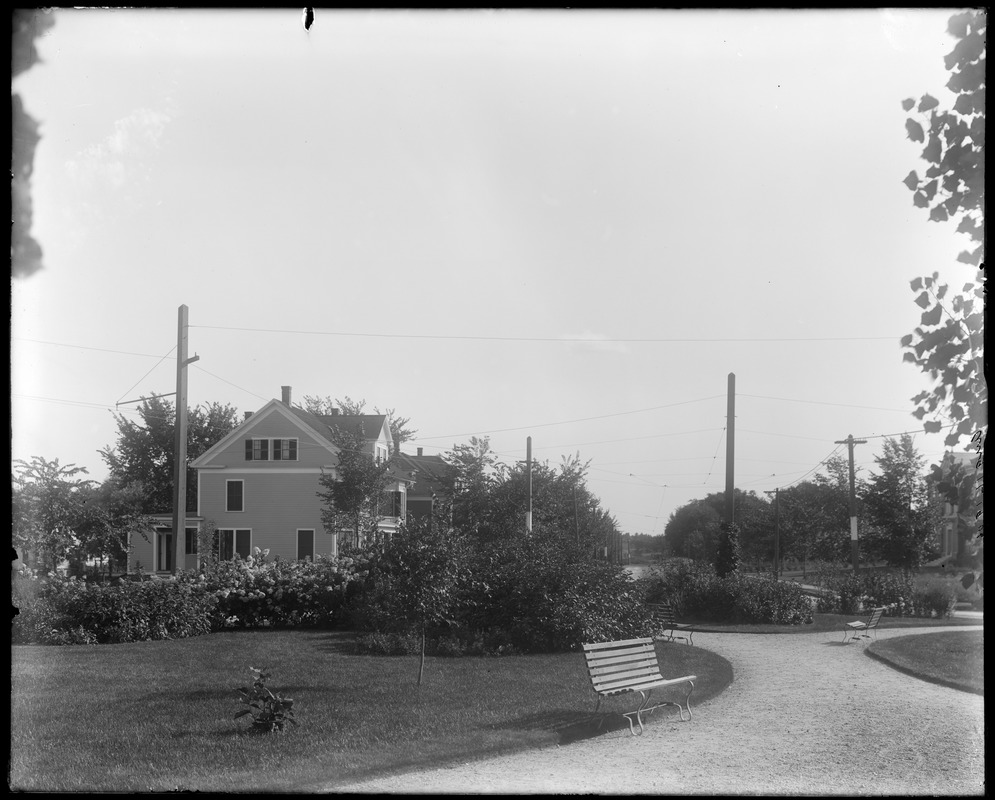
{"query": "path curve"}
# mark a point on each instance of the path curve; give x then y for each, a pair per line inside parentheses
(804, 715)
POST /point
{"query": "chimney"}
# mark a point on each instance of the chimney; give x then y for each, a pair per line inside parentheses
(248, 414)
(286, 395)
(397, 444)
(419, 451)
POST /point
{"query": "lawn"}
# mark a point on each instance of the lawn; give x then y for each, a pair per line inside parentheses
(950, 658)
(154, 716)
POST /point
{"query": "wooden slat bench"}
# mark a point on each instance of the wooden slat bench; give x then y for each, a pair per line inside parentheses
(664, 620)
(859, 628)
(618, 668)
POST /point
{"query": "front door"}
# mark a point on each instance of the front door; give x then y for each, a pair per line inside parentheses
(164, 551)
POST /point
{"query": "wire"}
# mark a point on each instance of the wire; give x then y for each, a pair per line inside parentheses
(82, 347)
(569, 421)
(149, 372)
(542, 339)
(818, 403)
(712, 466)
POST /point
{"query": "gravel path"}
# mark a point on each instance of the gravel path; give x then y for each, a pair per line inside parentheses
(804, 715)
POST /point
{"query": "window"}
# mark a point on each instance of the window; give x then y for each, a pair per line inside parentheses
(284, 449)
(305, 544)
(191, 542)
(235, 500)
(271, 449)
(233, 543)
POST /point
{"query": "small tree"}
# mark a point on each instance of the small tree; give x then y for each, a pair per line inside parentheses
(727, 558)
(418, 576)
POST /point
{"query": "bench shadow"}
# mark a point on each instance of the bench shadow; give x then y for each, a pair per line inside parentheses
(574, 726)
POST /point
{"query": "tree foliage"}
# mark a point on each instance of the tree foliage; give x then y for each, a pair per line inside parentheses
(727, 556)
(949, 344)
(144, 454)
(352, 493)
(420, 576)
(400, 428)
(49, 506)
(897, 506)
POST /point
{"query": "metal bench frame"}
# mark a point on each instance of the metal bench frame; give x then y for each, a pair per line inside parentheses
(618, 668)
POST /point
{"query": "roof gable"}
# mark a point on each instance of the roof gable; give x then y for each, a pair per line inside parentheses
(262, 417)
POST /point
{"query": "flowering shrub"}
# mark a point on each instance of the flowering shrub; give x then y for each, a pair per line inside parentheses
(903, 594)
(54, 609)
(259, 593)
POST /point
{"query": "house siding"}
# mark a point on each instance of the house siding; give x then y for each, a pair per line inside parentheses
(277, 503)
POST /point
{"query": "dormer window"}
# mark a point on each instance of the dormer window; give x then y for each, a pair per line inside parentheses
(270, 449)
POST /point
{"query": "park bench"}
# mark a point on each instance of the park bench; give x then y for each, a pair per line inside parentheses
(664, 620)
(859, 628)
(631, 666)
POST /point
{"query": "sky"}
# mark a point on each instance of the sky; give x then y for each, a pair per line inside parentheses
(565, 225)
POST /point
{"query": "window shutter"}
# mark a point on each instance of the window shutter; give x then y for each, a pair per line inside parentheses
(264, 449)
(248, 449)
(293, 449)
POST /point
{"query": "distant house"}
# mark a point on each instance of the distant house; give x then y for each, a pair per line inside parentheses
(258, 487)
(431, 479)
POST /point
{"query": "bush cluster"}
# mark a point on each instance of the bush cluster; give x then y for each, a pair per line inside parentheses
(696, 590)
(903, 594)
(520, 597)
(54, 609)
(61, 610)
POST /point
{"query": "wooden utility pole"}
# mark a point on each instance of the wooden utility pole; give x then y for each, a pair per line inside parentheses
(849, 441)
(180, 448)
(528, 462)
(730, 450)
(777, 533)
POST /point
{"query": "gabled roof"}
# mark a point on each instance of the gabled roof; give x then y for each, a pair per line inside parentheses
(369, 426)
(431, 474)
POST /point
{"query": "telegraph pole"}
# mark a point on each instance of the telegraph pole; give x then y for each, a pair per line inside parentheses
(849, 441)
(777, 533)
(180, 449)
(528, 462)
(730, 449)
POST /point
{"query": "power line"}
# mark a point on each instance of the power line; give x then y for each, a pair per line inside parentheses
(149, 372)
(818, 403)
(567, 422)
(83, 347)
(547, 338)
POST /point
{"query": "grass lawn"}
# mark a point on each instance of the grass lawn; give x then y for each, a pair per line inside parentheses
(155, 716)
(950, 658)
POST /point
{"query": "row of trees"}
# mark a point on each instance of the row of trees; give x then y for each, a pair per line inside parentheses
(899, 510)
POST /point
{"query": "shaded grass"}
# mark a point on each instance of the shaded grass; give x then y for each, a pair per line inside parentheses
(153, 716)
(824, 623)
(950, 658)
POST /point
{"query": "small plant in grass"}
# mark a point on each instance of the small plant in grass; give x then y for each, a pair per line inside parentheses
(269, 711)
